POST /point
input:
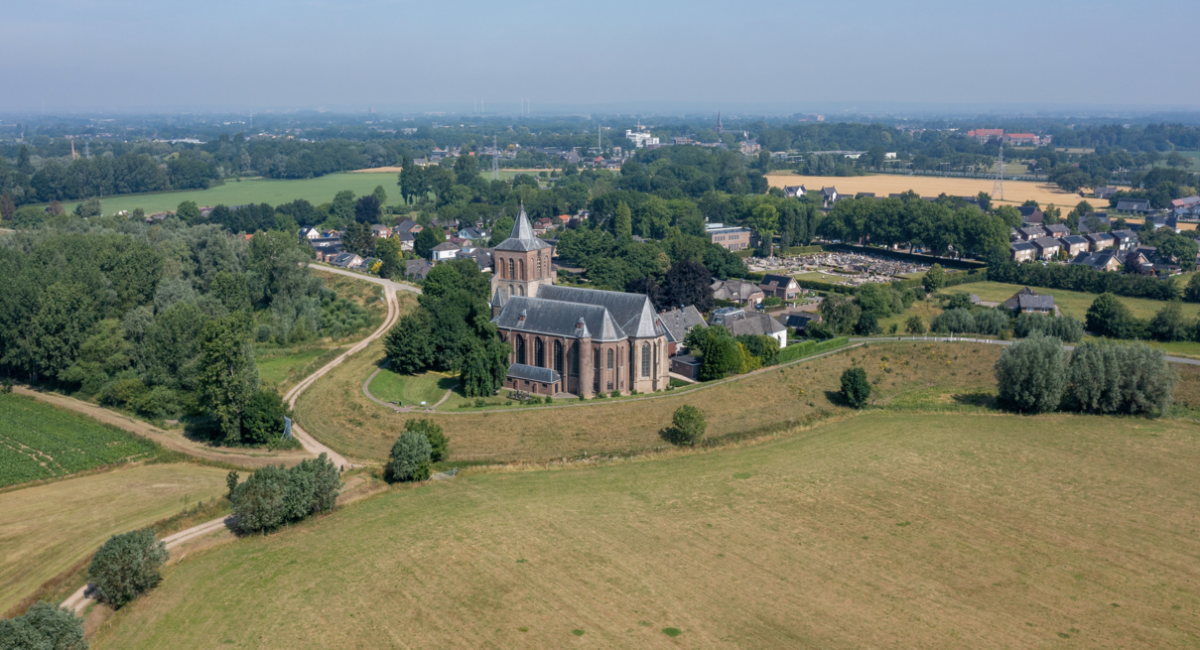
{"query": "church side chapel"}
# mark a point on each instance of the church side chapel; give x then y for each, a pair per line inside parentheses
(566, 340)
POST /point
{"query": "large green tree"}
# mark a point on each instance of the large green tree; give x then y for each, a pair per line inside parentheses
(1031, 374)
(228, 377)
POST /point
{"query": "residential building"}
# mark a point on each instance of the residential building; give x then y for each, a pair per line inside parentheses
(678, 322)
(1136, 206)
(732, 238)
(1073, 244)
(739, 322)
(983, 135)
(829, 196)
(751, 147)
(416, 269)
(472, 234)
(1030, 233)
(1057, 230)
(794, 191)
(445, 251)
(1104, 193)
(640, 139)
(381, 231)
(739, 291)
(1021, 139)
(1031, 216)
(1029, 301)
(799, 320)
(1047, 247)
(1099, 241)
(346, 260)
(310, 233)
(1023, 251)
(1094, 222)
(1125, 239)
(783, 287)
(1105, 260)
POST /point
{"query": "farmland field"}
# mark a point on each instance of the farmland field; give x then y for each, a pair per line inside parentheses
(881, 530)
(257, 190)
(46, 529)
(39, 441)
(336, 412)
(1015, 192)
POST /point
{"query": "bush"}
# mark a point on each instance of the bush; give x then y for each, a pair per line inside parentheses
(953, 321)
(126, 566)
(410, 459)
(1169, 324)
(991, 322)
(960, 300)
(439, 446)
(1064, 328)
(934, 278)
(1108, 316)
(855, 387)
(1032, 374)
(915, 325)
(274, 496)
(262, 421)
(687, 426)
(44, 626)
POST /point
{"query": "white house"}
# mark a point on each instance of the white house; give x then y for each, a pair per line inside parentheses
(445, 251)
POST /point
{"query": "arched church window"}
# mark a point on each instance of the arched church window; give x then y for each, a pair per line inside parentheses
(520, 349)
(558, 357)
(610, 359)
(539, 353)
(510, 269)
(645, 359)
(521, 265)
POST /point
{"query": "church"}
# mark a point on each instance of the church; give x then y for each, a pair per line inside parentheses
(571, 340)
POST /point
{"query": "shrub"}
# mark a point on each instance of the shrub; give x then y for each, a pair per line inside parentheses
(868, 324)
(991, 322)
(231, 483)
(953, 321)
(410, 458)
(43, 626)
(262, 421)
(934, 279)
(687, 426)
(855, 387)
(915, 325)
(1032, 374)
(126, 566)
(439, 446)
(960, 300)
(6, 386)
(616, 393)
(1108, 316)
(274, 496)
(1064, 328)
(1169, 324)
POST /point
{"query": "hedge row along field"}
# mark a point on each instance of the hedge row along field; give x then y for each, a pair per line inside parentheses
(38, 441)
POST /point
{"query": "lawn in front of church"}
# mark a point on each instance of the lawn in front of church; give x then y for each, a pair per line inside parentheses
(411, 390)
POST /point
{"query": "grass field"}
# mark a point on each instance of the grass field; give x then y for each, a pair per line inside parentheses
(259, 190)
(46, 529)
(888, 530)
(39, 441)
(1015, 192)
(336, 412)
(411, 390)
(1071, 303)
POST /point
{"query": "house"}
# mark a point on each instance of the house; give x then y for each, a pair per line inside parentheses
(738, 322)
(1023, 252)
(1028, 301)
(1099, 241)
(326, 248)
(1074, 244)
(829, 196)
(1030, 233)
(1186, 201)
(983, 135)
(731, 238)
(751, 146)
(346, 260)
(381, 231)
(416, 269)
(1094, 222)
(1140, 206)
(310, 233)
(542, 226)
(1125, 239)
(1057, 230)
(1031, 216)
(1104, 193)
(407, 240)
(483, 258)
(794, 191)
(472, 234)
(408, 225)
(737, 291)
(1155, 222)
(1047, 247)
(678, 322)
(1106, 260)
(1021, 139)
(783, 287)
(799, 320)
(444, 251)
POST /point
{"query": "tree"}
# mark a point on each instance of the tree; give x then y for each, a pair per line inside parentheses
(839, 313)
(1010, 215)
(380, 195)
(88, 209)
(410, 458)
(985, 201)
(934, 279)
(484, 367)
(1094, 378)
(623, 222)
(259, 502)
(43, 627)
(1179, 250)
(1031, 374)
(1108, 316)
(438, 445)
(501, 230)
(391, 257)
(718, 352)
(868, 324)
(343, 207)
(231, 483)
(1192, 292)
(263, 420)
(367, 209)
(359, 239)
(424, 242)
(959, 300)
(764, 220)
(228, 378)
(915, 325)
(687, 426)
(8, 207)
(126, 566)
(188, 212)
(412, 181)
(1178, 160)
(855, 387)
(409, 344)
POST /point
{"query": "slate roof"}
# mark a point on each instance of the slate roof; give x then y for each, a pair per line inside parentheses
(522, 237)
(534, 373)
(678, 321)
(1026, 301)
(1124, 235)
(447, 246)
(800, 319)
(734, 290)
(754, 323)
(1057, 230)
(633, 312)
(417, 267)
(1011, 303)
(771, 280)
(1099, 237)
(1046, 242)
(1023, 246)
(1032, 231)
(405, 226)
(558, 318)
(1133, 205)
(1073, 240)
(1104, 192)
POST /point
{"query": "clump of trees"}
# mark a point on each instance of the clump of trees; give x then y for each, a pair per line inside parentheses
(1036, 375)
(1064, 328)
(687, 426)
(411, 458)
(126, 566)
(43, 627)
(451, 331)
(1076, 277)
(1108, 316)
(856, 390)
(273, 496)
(722, 354)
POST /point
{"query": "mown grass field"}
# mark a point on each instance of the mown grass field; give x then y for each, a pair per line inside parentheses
(335, 411)
(1071, 303)
(411, 390)
(258, 190)
(884, 530)
(39, 441)
(47, 529)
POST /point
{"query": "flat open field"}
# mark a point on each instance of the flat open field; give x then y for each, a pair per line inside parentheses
(885, 530)
(258, 190)
(39, 441)
(335, 411)
(1071, 303)
(1015, 192)
(46, 529)
(411, 390)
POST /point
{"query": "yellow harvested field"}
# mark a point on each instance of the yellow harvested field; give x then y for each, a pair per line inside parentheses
(378, 170)
(1016, 192)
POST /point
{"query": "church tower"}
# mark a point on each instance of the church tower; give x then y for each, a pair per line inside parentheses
(522, 264)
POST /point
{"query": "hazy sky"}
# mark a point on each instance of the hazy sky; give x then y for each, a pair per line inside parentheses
(130, 54)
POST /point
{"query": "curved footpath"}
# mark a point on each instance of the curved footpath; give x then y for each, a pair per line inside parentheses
(81, 598)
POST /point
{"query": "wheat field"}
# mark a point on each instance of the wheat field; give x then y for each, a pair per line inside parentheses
(1015, 192)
